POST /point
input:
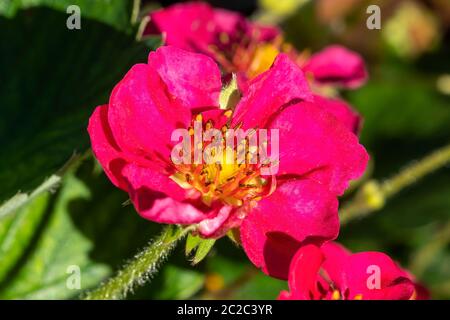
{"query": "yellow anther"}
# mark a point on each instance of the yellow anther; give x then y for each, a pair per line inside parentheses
(336, 295)
(262, 60)
(224, 38)
(228, 113)
(223, 176)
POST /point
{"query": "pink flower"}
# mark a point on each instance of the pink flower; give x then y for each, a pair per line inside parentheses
(197, 27)
(318, 156)
(337, 65)
(333, 273)
(248, 49)
(342, 111)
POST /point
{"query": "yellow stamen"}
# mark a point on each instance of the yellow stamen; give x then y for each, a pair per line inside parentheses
(336, 295)
(223, 179)
(263, 58)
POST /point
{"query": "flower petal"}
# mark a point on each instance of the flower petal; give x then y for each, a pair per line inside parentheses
(314, 144)
(264, 33)
(303, 273)
(337, 65)
(188, 26)
(210, 227)
(158, 198)
(105, 148)
(193, 79)
(342, 111)
(142, 116)
(361, 270)
(269, 92)
(336, 257)
(298, 210)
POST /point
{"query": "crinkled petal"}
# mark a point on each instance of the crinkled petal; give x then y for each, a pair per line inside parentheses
(193, 79)
(105, 148)
(314, 144)
(336, 257)
(158, 198)
(282, 84)
(337, 65)
(142, 116)
(303, 273)
(210, 227)
(361, 271)
(189, 26)
(298, 210)
(342, 111)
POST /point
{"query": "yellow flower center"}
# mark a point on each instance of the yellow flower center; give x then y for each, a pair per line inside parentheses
(226, 179)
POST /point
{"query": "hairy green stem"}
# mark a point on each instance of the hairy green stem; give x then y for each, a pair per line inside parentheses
(141, 268)
(372, 195)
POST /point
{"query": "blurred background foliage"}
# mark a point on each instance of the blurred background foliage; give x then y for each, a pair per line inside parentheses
(52, 78)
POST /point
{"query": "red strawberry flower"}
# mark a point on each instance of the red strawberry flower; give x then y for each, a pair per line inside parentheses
(131, 137)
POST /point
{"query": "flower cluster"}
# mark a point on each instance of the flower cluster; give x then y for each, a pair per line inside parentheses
(285, 218)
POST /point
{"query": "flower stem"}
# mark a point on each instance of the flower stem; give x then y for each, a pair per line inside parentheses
(135, 11)
(372, 195)
(141, 268)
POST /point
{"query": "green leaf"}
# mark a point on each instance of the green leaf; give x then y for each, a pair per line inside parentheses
(179, 283)
(17, 231)
(116, 13)
(199, 247)
(40, 243)
(55, 78)
(241, 280)
(203, 249)
(260, 287)
(21, 199)
(83, 224)
(192, 242)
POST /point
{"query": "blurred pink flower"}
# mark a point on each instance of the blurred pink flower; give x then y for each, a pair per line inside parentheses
(331, 272)
(337, 65)
(248, 49)
(198, 27)
(318, 156)
(245, 47)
